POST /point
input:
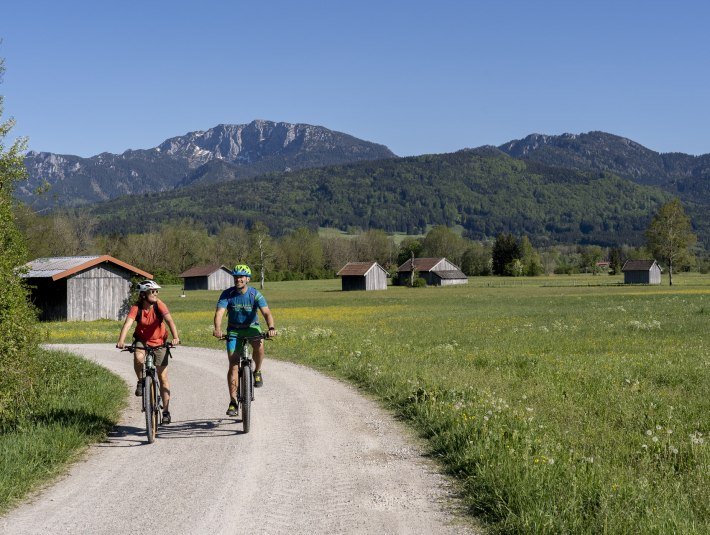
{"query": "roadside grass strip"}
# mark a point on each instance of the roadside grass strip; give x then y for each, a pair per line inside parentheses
(63, 404)
(559, 409)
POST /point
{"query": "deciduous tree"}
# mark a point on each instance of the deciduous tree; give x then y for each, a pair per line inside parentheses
(441, 241)
(17, 319)
(670, 235)
(262, 252)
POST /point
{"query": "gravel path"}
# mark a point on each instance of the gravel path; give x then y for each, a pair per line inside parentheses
(319, 458)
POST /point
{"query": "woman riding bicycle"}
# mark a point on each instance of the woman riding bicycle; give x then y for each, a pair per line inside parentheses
(150, 313)
(242, 303)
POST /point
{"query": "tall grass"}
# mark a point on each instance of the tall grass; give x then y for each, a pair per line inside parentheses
(560, 409)
(64, 404)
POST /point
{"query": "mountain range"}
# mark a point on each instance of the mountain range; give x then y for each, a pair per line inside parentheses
(225, 152)
(573, 188)
(680, 174)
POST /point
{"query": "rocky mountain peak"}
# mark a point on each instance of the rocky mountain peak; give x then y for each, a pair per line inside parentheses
(255, 148)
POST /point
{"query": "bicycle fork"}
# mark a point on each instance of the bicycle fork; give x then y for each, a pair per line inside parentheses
(240, 394)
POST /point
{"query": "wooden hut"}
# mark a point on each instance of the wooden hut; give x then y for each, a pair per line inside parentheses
(363, 276)
(435, 271)
(211, 277)
(641, 272)
(81, 288)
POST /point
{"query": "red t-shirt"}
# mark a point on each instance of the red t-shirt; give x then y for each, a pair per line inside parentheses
(150, 330)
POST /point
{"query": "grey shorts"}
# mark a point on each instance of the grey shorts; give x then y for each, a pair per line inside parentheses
(161, 353)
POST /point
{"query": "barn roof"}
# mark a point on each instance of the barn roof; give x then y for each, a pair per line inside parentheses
(450, 274)
(420, 264)
(358, 268)
(60, 267)
(204, 271)
(638, 265)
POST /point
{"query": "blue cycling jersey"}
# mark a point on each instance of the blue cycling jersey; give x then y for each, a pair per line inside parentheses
(242, 309)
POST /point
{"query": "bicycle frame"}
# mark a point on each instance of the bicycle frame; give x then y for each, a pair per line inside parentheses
(152, 404)
(246, 354)
(245, 374)
(149, 370)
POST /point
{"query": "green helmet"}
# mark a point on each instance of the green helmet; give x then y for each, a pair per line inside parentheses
(241, 270)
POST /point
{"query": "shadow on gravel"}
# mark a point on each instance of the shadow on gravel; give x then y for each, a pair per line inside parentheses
(200, 428)
(124, 436)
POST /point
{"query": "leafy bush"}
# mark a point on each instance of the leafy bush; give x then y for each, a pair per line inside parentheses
(17, 317)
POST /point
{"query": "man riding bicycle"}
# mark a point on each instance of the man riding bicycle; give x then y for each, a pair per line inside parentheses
(150, 313)
(242, 303)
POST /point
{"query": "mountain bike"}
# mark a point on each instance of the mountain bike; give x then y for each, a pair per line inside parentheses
(152, 402)
(245, 381)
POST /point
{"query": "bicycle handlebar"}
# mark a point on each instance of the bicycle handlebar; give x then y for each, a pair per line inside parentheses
(262, 336)
(132, 347)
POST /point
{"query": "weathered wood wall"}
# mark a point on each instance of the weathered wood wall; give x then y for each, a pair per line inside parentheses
(220, 280)
(100, 292)
(376, 279)
(652, 276)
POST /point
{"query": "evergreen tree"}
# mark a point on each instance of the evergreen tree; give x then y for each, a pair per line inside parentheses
(615, 261)
(506, 251)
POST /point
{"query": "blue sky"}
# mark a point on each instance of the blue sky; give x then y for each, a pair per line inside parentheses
(420, 77)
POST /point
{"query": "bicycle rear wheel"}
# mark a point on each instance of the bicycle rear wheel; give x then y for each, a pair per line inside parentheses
(149, 409)
(245, 386)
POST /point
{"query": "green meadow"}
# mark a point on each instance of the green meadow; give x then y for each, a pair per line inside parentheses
(559, 404)
(64, 404)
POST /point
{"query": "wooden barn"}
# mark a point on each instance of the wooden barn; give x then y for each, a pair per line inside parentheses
(435, 271)
(363, 276)
(641, 272)
(212, 277)
(81, 288)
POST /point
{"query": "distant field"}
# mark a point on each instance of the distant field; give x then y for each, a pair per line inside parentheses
(561, 404)
(398, 237)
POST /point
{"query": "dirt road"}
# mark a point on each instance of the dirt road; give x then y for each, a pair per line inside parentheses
(319, 459)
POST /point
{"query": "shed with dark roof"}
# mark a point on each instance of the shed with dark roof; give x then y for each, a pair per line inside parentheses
(435, 271)
(641, 272)
(210, 277)
(363, 276)
(81, 288)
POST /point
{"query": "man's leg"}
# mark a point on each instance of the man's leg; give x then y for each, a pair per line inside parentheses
(233, 374)
(258, 354)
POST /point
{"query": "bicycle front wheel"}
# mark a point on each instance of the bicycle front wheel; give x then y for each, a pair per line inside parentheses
(149, 408)
(245, 386)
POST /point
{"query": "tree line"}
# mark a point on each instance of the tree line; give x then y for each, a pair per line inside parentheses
(485, 194)
(307, 254)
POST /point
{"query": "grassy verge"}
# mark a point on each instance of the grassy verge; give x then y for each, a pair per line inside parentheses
(63, 404)
(560, 408)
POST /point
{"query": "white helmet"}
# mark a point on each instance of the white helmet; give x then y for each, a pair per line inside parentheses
(146, 285)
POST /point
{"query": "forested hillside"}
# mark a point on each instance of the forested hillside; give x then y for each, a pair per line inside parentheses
(482, 190)
(225, 152)
(680, 174)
